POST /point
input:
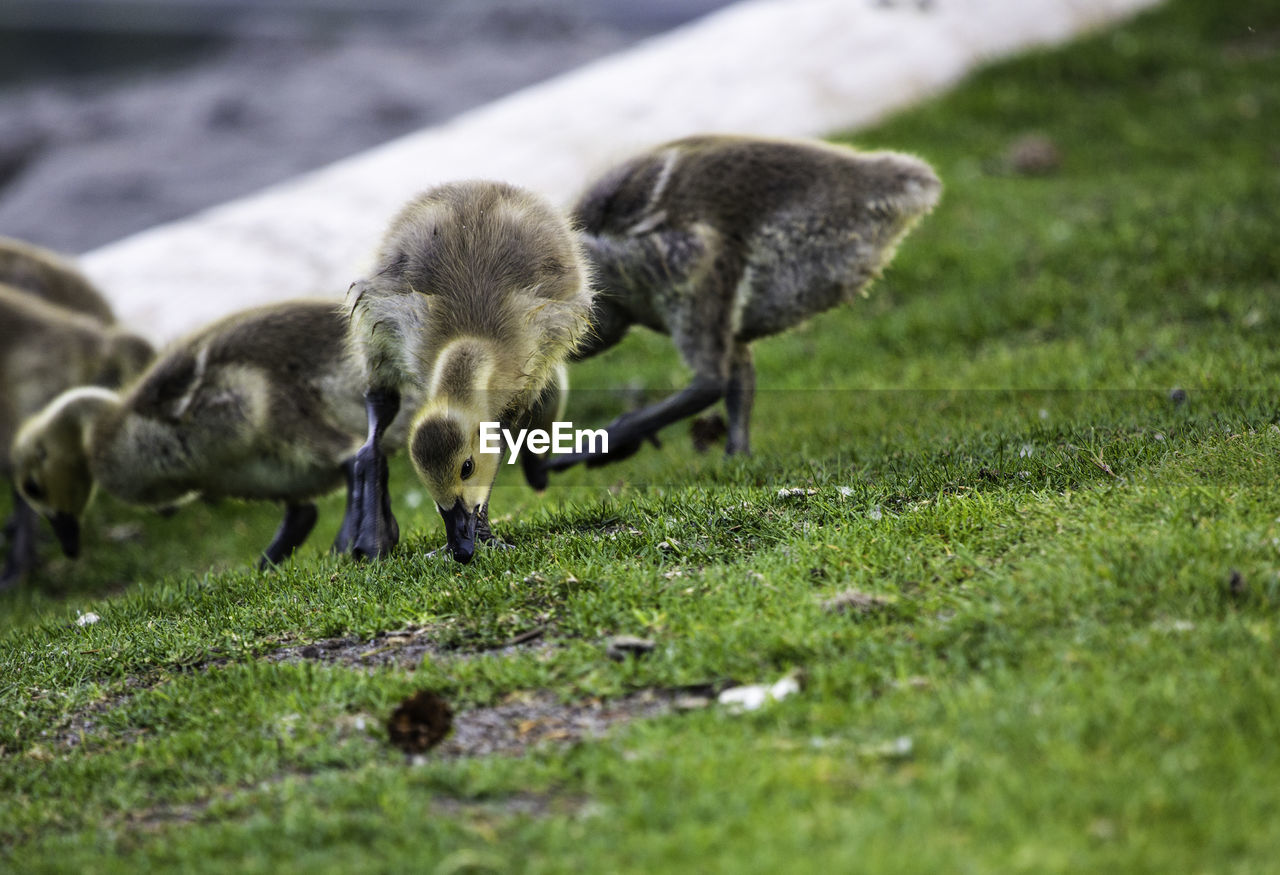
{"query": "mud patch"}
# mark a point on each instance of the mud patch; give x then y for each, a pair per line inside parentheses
(516, 805)
(84, 726)
(530, 719)
(402, 648)
(158, 818)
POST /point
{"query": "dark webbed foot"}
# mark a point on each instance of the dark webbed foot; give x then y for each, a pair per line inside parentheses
(299, 520)
(375, 528)
(22, 532)
(485, 535)
(369, 529)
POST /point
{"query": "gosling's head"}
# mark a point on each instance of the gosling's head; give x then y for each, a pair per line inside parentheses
(51, 460)
(445, 447)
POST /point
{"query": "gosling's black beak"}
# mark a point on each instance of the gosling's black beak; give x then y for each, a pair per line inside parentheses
(460, 531)
(67, 528)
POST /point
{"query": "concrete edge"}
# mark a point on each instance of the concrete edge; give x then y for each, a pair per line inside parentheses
(767, 67)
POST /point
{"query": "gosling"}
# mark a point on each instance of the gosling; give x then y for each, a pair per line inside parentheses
(479, 296)
(266, 404)
(720, 240)
(52, 278)
(45, 349)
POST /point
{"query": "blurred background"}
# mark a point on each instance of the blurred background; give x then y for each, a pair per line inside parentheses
(116, 115)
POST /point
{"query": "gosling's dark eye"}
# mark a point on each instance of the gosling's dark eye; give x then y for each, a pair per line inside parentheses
(467, 468)
(32, 489)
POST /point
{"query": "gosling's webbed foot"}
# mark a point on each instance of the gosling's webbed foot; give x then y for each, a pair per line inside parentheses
(485, 535)
(16, 566)
(371, 526)
(23, 536)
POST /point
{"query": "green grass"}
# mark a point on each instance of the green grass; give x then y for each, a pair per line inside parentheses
(1081, 576)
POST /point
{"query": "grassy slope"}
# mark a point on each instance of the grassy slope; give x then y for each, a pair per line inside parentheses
(1081, 685)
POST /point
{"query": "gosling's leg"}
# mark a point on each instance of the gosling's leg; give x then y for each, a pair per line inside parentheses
(535, 472)
(23, 531)
(701, 322)
(299, 520)
(707, 352)
(346, 532)
(485, 535)
(375, 527)
(737, 401)
(542, 415)
(629, 431)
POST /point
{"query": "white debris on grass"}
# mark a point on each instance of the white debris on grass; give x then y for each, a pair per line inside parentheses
(87, 619)
(796, 492)
(898, 749)
(1173, 625)
(752, 697)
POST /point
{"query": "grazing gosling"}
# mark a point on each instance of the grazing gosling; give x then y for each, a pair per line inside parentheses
(720, 240)
(45, 349)
(52, 278)
(479, 295)
(264, 404)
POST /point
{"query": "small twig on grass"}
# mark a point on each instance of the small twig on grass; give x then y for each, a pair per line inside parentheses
(535, 632)
(1097, 459)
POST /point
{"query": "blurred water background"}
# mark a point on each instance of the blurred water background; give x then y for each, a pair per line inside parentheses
(116, 115)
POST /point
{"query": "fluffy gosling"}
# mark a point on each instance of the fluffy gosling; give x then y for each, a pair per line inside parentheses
(44, 349)
(479, 295)
(265, 404)
(720, 240)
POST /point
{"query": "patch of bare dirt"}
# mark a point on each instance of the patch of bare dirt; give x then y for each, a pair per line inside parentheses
(401, 648)
(855, 602)
(84, 725)
(517, 804)
(528, 719)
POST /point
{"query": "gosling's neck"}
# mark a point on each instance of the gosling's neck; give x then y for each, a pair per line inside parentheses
(82, 409)
(465, 377)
